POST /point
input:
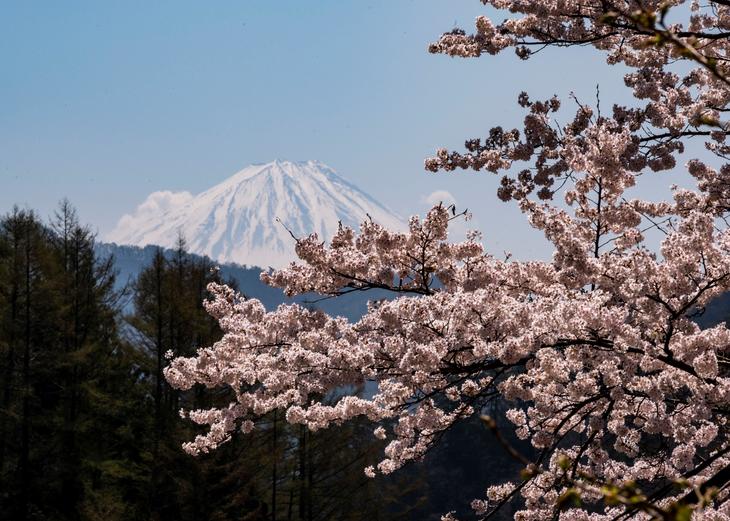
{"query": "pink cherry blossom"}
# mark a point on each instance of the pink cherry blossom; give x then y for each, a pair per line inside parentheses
(596, 351)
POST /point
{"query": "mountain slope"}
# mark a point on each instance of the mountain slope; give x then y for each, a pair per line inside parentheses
(236, 220)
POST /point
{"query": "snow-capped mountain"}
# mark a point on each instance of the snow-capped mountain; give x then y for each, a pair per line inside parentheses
(236, 220)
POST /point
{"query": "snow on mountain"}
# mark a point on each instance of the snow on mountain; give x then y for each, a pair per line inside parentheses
(236, 220)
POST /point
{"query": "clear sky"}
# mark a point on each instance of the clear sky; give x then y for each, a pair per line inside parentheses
(105, 102)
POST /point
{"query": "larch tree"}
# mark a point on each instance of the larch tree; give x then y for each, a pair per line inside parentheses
(70, 409)
(622, 396)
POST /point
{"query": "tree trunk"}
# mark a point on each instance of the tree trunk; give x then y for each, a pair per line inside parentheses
(159, 353)
(274, 453)
(302, 480)
(310, 479)
(24, 461)
(10, 362)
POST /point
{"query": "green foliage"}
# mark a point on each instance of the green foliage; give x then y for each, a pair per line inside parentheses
(65, 368)
(89, 429)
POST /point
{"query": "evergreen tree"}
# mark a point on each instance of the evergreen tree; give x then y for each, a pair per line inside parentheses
(27, 325)
(89, 428)
(68, 388)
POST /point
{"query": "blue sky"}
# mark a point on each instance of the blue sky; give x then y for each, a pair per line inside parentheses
(105, 102)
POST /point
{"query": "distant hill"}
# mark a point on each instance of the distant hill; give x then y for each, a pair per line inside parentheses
(130, 260)
(717, 312)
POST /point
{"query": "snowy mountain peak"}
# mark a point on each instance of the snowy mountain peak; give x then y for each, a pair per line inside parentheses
(236, 220)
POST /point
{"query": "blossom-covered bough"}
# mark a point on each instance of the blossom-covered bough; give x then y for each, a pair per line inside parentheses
(624, 399)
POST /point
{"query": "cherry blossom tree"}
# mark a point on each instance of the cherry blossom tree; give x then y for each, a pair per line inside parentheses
(623, 397)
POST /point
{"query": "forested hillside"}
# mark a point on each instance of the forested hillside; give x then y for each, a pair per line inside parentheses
(89, 428)
(130, 260)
